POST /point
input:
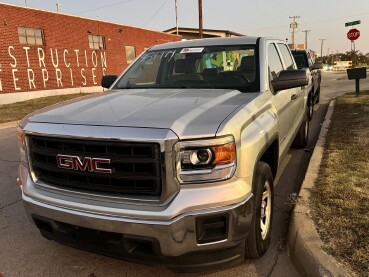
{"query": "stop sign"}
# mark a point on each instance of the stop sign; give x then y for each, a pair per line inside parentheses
(353, 34)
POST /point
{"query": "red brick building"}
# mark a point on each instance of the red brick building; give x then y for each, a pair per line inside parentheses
(44, 53)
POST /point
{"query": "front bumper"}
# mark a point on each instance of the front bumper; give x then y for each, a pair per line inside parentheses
(169, 230)
(173, 243)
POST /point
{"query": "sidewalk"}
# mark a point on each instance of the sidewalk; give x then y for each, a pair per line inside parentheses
(9, 124)
(304, 244)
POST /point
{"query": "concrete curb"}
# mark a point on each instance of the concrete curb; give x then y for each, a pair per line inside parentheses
(9, 124)
(303, 242)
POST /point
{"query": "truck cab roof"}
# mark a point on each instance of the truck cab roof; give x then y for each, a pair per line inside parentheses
(210, 42)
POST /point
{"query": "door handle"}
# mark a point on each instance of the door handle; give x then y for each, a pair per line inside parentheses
(293, 97)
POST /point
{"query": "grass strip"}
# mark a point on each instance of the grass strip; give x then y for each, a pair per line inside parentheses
(16, 111)
(340, 198)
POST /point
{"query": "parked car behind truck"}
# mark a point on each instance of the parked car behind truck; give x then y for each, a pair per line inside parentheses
(305, 59)
(175, 163)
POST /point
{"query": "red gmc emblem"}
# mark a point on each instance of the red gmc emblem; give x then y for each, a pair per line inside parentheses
(88, 163)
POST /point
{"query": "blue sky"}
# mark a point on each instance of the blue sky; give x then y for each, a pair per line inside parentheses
(325, 18)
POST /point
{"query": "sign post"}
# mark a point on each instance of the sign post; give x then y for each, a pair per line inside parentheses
(353, 35)
(355, 73)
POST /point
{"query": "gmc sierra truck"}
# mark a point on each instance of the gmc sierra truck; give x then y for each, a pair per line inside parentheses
(175, 164)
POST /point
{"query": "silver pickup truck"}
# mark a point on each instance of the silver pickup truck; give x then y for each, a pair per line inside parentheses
(175, 164)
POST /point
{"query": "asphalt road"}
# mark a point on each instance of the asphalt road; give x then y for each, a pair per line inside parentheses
(23, 252)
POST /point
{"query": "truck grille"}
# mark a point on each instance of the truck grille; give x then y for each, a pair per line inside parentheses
(135, 167)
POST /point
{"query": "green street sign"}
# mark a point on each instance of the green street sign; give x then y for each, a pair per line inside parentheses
(352, 23)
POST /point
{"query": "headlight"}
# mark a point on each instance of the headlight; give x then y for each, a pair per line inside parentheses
(205, 160)
(22, 144)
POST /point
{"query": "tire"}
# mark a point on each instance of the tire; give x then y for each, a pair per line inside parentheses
(301, 139)
(310, 104)
(317, 96)
(258, 239)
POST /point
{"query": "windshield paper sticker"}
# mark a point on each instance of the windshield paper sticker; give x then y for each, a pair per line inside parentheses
(192, 50)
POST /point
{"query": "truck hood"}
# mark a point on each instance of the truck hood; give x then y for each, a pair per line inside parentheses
(187, 112)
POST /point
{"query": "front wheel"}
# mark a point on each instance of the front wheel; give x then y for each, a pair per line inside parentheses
(259, 236)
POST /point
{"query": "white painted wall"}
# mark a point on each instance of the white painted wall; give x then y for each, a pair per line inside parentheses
(8, 98)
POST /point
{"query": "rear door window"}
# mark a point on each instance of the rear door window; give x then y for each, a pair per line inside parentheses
(287, 58)
(274, 62)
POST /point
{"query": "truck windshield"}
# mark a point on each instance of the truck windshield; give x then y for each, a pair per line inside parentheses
(215, 67)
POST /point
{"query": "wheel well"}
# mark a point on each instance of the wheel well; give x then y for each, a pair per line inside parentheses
(270, 156)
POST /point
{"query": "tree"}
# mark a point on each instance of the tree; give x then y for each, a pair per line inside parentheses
(361, 59)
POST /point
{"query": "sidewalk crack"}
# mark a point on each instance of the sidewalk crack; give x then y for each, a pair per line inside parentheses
(3, 207)
(275, 264)
(9, 161)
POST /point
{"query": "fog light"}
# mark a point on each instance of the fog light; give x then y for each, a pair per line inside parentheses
(212, 228)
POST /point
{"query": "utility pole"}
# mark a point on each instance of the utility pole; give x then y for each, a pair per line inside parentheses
(294, 25)
(332, 58)
(306, 38)
(176, 16)
(200, 19)
(321, 47)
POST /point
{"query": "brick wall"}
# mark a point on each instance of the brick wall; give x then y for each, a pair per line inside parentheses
(66, 60)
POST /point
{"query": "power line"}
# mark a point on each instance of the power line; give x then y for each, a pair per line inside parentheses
(333, 19)
(278, 7)
(103, 7)
(283, 6)
(304, 23)
(147, 22)
(260, 10)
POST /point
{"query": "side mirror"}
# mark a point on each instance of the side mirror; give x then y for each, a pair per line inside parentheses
(317, 65)
(291, 79)
(108, 80)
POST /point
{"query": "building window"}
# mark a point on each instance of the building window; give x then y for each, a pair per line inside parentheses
(31, 36)
(130, 53)
(96, 42)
